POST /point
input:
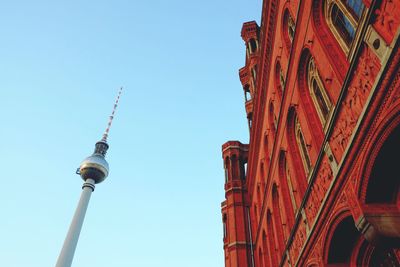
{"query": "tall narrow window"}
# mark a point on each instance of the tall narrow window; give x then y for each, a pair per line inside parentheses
(226, 168)
(292, 191)
(224, 225)
(272, 118)
(253, 45)
(291, 27)
(247, 93)
(288, 29)
(302, 147)
(344, 17)
(281, 78)
(275, 122)
(317, 92)
(254, 73)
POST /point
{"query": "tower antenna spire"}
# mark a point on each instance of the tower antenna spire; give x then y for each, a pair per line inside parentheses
(93, 170)
(110, 120)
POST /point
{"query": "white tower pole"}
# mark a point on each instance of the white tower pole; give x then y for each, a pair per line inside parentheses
(68, 249)
(93, 170)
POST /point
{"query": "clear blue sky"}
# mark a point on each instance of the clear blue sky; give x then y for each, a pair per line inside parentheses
(61, 65)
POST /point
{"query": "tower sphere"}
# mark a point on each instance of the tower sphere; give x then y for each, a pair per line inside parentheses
(94, 167)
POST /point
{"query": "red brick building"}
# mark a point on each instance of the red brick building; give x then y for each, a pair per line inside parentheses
(318, 184)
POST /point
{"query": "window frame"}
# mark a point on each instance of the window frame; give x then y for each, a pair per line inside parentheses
(354, 21)
(303, 147)
(313, 76)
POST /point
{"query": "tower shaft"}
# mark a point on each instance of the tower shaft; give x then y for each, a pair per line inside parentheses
(67, 252)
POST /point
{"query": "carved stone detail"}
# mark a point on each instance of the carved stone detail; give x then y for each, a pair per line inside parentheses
(319, 188)
(388, 19)
(396, 94)
(352, 202)
(354, 100)
(298, 241)
(316, 254)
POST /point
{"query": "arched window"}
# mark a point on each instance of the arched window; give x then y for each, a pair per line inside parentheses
(273, 255)
(297, 172)
(250, 119)
(234, 167)
(301, 142)
(247, 93)
(254, 73)
(317, 91)
(252, 45)
(292, 189)
(288, 28)
(280, 78)
(384, 185)
(343, 17)
(225, 229)
(278, 222)
(291, 27)
(342, 243)
(272, 117)
(227, 165)
(287, 190)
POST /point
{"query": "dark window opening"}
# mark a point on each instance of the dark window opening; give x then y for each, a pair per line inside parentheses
(343, 241)
(384, 181)
(253, 45)
(224, 225)
(356, 7)
(383, 258)
(343, 25)
(320, 99)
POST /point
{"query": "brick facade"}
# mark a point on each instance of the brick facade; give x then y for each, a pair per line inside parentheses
(317, 185)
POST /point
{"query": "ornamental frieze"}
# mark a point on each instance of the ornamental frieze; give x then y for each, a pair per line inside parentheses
(319, 188)
(387, 21)
(298, 241)
(354, 101)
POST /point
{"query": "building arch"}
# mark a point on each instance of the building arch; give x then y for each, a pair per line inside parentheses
(288, 27)
(343, 241)
(333, 52)
(345, 246)
(343, 19)
(340, 240)
(271, 240)
(279, 79)
(381, 159)
(310, 103)
(266, 155)
(286, 190)
(299, 171)
(247, 93)
(273, 120)
(252, 45)
(226, 168)
(378, 186)
(278, 220)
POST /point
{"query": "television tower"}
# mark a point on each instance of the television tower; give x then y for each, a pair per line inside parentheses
(93, 170)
